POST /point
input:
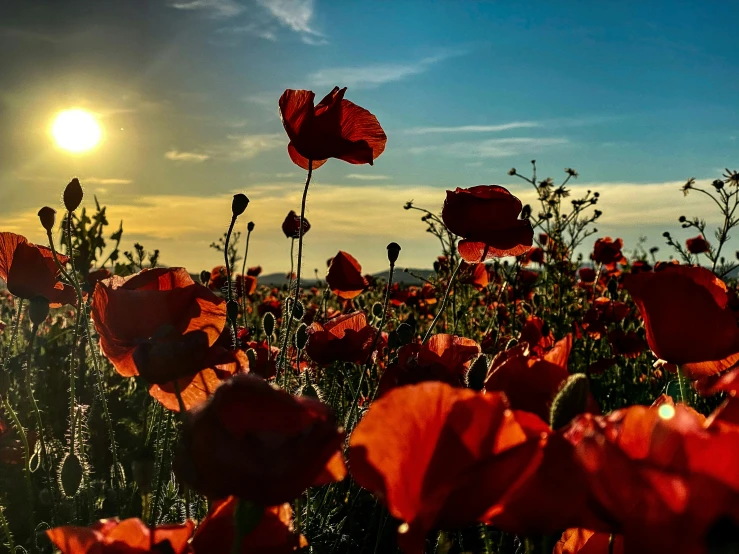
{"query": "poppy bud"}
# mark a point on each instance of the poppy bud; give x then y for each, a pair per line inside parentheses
(298, 310)
(437, 267)
(47, 216)
(570, 401)
(718, 184)
(232, 310)
(250, 226)
(239, 204)
(405, 333)
(682, 219)
(205, 277)
(251, 355)
(70, 475)
(377, 309)
(512, 171)
(268, 324)
(526, 212)
(301, 336)
(73, 195)
(393, 251)
(612, 287)
(477, 373)
(38, 310)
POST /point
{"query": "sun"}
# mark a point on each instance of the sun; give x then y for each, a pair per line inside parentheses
(76, 131)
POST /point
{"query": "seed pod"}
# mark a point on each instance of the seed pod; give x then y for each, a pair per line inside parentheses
(393, 251)
(47, 216)
(251, 355)
(377, 309)
(70, 475)
(73, 195)
(405, 333)
(298, 310)
(205, 277)
(268, 324)
(38, 310)
(477, 373)
(301, 336)
(232, 310)
(571, 401)
(239, 204)
(250, 226)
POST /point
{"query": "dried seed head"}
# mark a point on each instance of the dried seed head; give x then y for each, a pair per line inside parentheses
(393, 251)
(239, 204)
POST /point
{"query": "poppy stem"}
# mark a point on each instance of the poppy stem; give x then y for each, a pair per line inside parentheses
(443, 302)
(120, 480)
(232, 322)
(75, 338)
(286, 340)
(382, 320)
(611, 543)
(6, 531)
(681, 383)
(243, 275)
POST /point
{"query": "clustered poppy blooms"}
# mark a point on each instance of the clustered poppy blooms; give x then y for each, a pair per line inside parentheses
(487, 219)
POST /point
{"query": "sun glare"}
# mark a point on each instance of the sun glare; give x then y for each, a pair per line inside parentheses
(76, 131)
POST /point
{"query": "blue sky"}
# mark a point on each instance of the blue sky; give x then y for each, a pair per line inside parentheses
(637, 96)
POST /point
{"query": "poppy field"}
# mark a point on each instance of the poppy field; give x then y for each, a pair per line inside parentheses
(542, 390)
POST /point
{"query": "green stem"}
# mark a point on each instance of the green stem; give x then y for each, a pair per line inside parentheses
(681, 383)
(6, 531)
(443, 302)
(231, 322)
(243, 276)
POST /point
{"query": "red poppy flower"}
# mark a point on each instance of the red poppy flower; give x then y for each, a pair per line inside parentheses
(271, 305)
(29, 270)
(259, 443)
(475, 275)
(486, 217)
(347, 338)
(452, 430)
(697, 245)
(584, 541)
(536, 255)
(254, 271)
(660, 476)
(291, 225)
(687, 318)
(640, 266)
(443, 358)
(96, 276)
(536, 333)
(273, 535)
(266, 366)
(608, 251)
(345, 276)
(627, 344)
(245, 285)
(335, 128)
(218, 278)
(587, 275)
(162, 325)
(472, 459)
(531, 382)
(130, 536)
(727, 382)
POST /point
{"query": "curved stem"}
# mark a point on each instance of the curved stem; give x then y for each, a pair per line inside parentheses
(228, 278)
(443, 302)
(243, 276)
(384, 312)
(26, 463)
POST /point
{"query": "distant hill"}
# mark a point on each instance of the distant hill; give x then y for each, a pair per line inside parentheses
(400, 276)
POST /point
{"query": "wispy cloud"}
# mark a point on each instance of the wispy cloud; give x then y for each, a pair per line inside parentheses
(177, 156)
(474, 128)
(104, 181)
(374, 75)
(254, 29)
(243, 147)
(491, 148)
(367, 177)
(296, 15)
(214, 8)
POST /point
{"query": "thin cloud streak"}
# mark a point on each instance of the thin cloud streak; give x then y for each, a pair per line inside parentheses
(296, 15)
(177, 156)
(374, 75)
(474, 128)
(214, 8)
(491, 148)
(104, 181)
(367, 177)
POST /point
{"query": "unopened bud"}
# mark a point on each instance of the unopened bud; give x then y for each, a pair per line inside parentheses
(377, 309)
(298, 310)
(205, 277)
(405, 333)
(232, 309)
(268, 324)
(477, 373)
(239, 204)
(70, 475)
(73, 195)
(301, 336)
(251, 355)
(38, 310)
(571, 401)
(47, 216)
(526, 212)
(393, 251)
(250, 226)
(612, 287)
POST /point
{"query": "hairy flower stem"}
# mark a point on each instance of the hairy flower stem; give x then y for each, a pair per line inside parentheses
(285, 341)
(243, 276)
(444, 300)
(681, 383)
(6, 531)
(382, 322)
(31, 396)
(229, 291)
(13, 334)
(82, 307)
